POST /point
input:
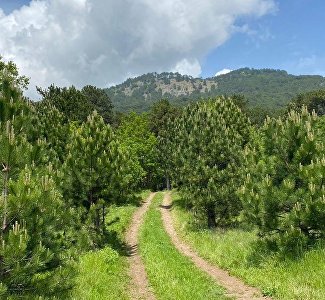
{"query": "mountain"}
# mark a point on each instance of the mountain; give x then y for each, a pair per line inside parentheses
(265, 87)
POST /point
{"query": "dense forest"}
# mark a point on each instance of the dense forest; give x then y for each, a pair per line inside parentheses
(265, 88)
(69, 160)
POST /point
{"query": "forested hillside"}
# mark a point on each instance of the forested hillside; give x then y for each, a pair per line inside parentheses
(266, 88)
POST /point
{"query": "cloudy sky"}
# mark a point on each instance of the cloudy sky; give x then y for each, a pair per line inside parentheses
(103, 42)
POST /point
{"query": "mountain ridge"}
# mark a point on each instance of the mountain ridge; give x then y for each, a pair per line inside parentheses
(269, 88)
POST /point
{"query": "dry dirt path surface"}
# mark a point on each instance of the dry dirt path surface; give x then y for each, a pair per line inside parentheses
(234, 286)
(140, 288)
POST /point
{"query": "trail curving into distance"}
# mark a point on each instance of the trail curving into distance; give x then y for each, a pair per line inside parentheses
(234, 286)
(140, 288)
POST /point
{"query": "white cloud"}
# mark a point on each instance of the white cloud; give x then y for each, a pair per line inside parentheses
(223, 72)
(99, 42)
(186, 67)
(313, 64)
(308, 61)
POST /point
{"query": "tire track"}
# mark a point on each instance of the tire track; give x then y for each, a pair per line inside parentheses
(140, 288)
(234, 286)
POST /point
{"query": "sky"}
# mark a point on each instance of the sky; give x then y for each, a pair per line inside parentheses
(104, 42)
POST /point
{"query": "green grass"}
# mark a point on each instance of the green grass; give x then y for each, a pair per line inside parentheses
(172, 275)
(103, 274)
(234, 250)
(118, 218)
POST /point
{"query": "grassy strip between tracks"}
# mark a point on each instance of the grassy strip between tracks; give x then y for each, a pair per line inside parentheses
(172, 275)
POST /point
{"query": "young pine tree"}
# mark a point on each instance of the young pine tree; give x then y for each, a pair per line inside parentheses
(34, 251)
(34, 221)
(207, 145)
(284, 192)
(95, 171)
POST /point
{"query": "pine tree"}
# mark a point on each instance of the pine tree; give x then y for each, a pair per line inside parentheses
(35, 257)
(313, 101)
(206, 146)
(50, 126)
(14, 148)
(100, 102)
(166, 152)
(284, 189)
(96, 171)
(35, 224)
(33, 219)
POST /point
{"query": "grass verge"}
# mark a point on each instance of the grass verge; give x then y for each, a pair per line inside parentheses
(234, 250)
(103, 274)
(172, 275)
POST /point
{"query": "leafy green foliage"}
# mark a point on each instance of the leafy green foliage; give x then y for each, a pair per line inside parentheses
(34, 221)
(74, 104)
(9, 76)
(71, 102)
(257, 115)
(100, 102)
(16, 263)
(284, 190)
(160, 113)
(13, 107)
(95, 172)
(314, 101)
(135, 137)
(45, 153)
(50, 126)
(63, 167)
(34, 247)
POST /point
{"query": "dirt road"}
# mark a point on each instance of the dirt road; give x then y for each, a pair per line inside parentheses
(140, 288)
(234, 286)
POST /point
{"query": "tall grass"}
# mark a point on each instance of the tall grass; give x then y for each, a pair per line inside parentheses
(237, 250)
(103, 274)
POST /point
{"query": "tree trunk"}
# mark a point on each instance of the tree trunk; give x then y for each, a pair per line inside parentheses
(103, 218)
(97, 218)
(211, 215)
(168, 185)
